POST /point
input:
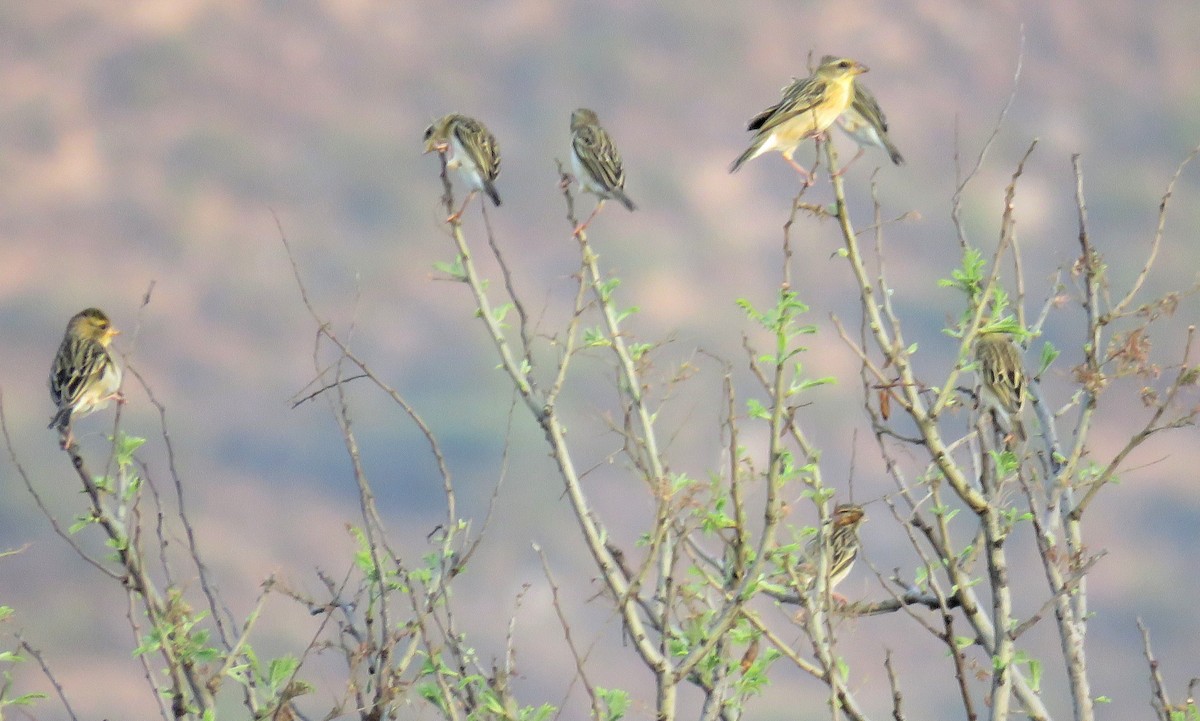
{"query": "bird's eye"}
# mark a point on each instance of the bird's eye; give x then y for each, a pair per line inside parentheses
(428, 132)
(844, 65)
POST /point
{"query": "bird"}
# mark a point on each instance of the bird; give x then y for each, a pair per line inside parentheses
(84, 376)
(865, 122)
(843, 546)
(1003, 385)
(596, 162)
(808, 107)
(469, 147)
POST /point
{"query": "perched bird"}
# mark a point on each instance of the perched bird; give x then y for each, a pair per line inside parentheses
(807, 108)
(469, 147)
(843, 546)
(84, 376)
(865, 122)
(1001, 379)
(596, 162)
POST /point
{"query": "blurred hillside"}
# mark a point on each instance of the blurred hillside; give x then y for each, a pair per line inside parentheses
(156, 142)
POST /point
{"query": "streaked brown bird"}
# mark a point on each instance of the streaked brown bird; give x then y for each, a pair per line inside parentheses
(596, 162)
(1002, 383)
(865, 122)
(843, 546)
(84, 376)
(808, 107)
(469, 147)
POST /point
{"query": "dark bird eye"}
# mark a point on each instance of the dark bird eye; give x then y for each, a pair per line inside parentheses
(844, 65)
(428, 132)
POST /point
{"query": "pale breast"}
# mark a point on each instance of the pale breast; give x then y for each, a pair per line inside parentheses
(838, 99)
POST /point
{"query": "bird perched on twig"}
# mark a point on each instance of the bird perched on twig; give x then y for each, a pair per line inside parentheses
(843, 546)
(865, 122)
(1001, 379)
(469, 147)
(596, 162)
(84, 376)
(808, 107)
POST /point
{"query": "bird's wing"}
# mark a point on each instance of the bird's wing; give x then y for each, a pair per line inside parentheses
(1000, 362)
(598, 156)
(800, 96)
(868, 107)
(479, 142)
(80, 363)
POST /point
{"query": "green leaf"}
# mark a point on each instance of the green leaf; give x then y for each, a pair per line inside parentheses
(494, 704)
(1035, 674)
(807, 383)
(680, 481)
(968, 277)
(542, 713)
(453, 269)
(125, 446)
(757, 410)
(595, 337)
(1049, 354)
(500, 311)
(26, 699)
(281, 670)
(626, 313)
(637, 350)
(615, 701)
(607, 287)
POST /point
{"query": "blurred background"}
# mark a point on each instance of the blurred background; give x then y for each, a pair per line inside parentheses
(156, 143)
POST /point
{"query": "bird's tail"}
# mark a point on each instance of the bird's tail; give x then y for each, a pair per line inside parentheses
(61, 419)
(1018, 430)
(897, 158)
(490, 188)
(751, 152)
(620, 195)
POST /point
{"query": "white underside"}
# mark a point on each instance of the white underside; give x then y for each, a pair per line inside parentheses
(459, 158)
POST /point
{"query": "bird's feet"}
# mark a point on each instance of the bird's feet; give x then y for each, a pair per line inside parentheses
(583, 226)
(565, 181)
(846, 167)
(809, 178)
(456, 217)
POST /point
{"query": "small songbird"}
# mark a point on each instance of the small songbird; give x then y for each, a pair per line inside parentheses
(596, 162)
(808, 107)
(84, 376)
(865, 122)
(1001, 379)
(470, 148)
(843, 545)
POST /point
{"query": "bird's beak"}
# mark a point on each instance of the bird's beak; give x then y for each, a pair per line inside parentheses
(863, 69)
(111, 332)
